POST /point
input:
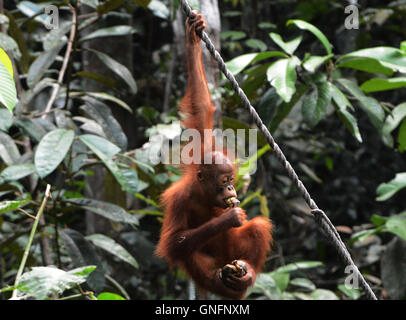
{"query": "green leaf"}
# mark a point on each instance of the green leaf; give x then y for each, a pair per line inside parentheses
(51, 150)
(10, 45)
(103, 148)
(282, 76)
(8, 149)
(380, 84)
(299, 266)
(102, 96)
(388, 57)
(109, 296)
(17, 171)
(366, 64)
(323, 294)
(6, 119)
(41, 282)
(233, 35)
(102, 114)
(42, 64)
(339, 98)
(303, 283)
(105, 209)
(5, 60)
(268, 104)
(118, 68)
(281, 279)
(392, 121)
(55, 36)
(109, 32)
(31, 9)
(402, 137)
(352, 293)
(284, 109)
(251, 163)
(159, 9)
(315, 104)
(303, 25)
(350, 122)
(290, 46)
(397, 225)
(313, 62)
(387, 190)
(369, 105)
(256, 44)
(112, 247)
(83, 253)
(11, 205)
(239, 63)
(8, 93)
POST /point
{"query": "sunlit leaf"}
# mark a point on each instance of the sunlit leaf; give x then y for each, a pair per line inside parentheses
(41, 282)
(389, 189)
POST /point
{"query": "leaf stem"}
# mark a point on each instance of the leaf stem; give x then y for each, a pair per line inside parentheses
(30, 239)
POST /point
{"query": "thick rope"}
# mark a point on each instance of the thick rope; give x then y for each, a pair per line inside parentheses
(320, 217)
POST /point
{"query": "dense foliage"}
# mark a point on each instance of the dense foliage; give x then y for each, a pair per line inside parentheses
(82, 112)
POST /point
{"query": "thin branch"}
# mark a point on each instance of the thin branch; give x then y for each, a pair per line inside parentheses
(57, 86)
(30, 239)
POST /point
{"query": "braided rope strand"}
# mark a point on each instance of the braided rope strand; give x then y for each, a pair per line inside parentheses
(320, 217)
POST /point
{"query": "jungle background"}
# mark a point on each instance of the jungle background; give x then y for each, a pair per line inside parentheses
(93, 94)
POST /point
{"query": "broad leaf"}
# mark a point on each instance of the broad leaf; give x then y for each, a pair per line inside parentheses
(387, 190)
(109, 296)
(11, 205)
(367, 65)
(313, 62)
(105, 209)
(109, 32)
(42, 63)
(5, 60)
(17, 171)
(369, 105)
(380, 84)
(51, 150)
(303, 25)
(397, 225)
(239, 63)
(8, 93)
(112, 247)
(102, 114)
(290, 46)
(6, 119)
(282, 76)
(350, 292)
(8, 149)
(41, 282)
(118, 68)
(387, 57)
(82, 253)
(392, 121)
(315, 104)
(323, 294)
